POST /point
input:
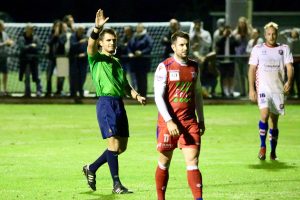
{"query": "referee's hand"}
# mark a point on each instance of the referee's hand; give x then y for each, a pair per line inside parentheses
(141, 99)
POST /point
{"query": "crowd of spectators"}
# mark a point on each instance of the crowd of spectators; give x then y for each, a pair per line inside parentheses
(223, 56)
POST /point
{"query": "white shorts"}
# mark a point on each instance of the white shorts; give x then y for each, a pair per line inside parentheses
(273, 101)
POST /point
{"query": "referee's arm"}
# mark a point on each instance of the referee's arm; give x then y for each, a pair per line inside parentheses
(100, 20)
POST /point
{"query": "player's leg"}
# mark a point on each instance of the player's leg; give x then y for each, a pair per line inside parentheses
(162, 173)
(27, 81)
(117, 134)
(194, 176)
(263, 130)
(5, 75)
(273, 134)
(263, 104)
(116, 146)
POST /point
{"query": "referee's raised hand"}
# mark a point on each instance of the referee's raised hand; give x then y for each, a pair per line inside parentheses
(100, 19)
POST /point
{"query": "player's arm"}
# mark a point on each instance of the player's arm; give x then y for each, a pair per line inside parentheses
(160, 81)
(100, 20)
(289, 70)
(199, 104)
(251, 79)
(253, 63)
(290, 75)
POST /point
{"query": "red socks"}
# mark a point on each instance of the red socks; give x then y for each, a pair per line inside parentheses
(161, 178)
(194, 179)
(195, 182)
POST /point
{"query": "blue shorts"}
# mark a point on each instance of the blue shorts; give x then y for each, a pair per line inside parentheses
(112, 117)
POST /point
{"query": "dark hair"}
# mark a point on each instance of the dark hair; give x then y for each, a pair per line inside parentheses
(109, 31)
(197, 21)
(180, 34)
(67, 17)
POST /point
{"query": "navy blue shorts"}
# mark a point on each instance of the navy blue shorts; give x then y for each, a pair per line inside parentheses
(112, 117)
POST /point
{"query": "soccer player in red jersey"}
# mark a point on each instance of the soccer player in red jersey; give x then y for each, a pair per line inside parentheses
(179, 101)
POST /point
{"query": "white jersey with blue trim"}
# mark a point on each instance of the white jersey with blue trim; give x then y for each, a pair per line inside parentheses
(270, 70)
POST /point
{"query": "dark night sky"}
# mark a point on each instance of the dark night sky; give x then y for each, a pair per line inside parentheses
(128, 10)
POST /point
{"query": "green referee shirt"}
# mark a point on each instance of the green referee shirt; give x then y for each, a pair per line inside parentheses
(108, 75)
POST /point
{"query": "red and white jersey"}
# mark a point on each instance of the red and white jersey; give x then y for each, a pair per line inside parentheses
(270, 62)
(176, 83)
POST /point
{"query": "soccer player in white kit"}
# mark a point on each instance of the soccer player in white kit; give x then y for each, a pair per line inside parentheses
(270, 78)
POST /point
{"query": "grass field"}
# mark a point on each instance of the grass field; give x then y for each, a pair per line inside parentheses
(16, 86)
(43, 149)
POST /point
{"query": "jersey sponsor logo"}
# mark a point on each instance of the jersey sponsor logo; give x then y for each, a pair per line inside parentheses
(159, 78)
(161, 67)
(182, 93)
(174, 76)
(272, 65)
(164, 145)
(280, 51)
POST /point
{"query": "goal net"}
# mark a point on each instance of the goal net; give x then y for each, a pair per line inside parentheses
(155, 29)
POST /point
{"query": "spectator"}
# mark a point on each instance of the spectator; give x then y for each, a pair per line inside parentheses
(78, 62)
(226, 47)
(56, 45)
(30, 45)
(293, 41)
(209, 75)
(63, 53)
(139, 51)
(200, 41)
(218, 32)
(69, 20)
(166, 39)
(5, 41)
(242, 33)
(122, 50)
(255, 39)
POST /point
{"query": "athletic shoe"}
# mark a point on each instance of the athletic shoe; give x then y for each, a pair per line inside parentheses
(90, 176)
(120, 189)
(273, 156)
(262, 153)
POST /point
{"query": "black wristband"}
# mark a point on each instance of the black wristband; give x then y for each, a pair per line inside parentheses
(98, 27)
(94, 35)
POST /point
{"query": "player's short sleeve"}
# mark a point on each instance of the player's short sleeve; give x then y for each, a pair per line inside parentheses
(288, 57)
(253, 60)
(93, 59)
(160, 76)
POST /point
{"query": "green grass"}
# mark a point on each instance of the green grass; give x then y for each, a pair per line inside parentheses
(43, 148)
